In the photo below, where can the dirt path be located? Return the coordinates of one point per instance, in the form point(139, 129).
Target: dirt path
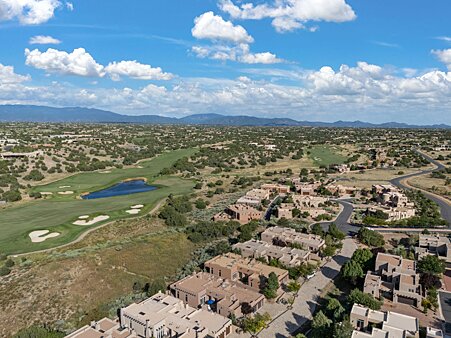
point(87, 232)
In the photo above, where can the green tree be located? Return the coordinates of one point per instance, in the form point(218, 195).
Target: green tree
point(335, 309)
point(200, 204)
point(359, 297)
point(371, 238)
point(343, 329)
point(431, 265)
point(293, 286)
point(271, 287)
point(317, 229)
point(320, 325)
point(256, 323)
point(352, 271)
point(335, 232)
point(363, 257)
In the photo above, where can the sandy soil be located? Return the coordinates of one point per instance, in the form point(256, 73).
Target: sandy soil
point(93, 221)
point(65, 192)
point(41, 235)
point(138, 206)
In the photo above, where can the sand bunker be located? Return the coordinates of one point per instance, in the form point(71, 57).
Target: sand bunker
point(83, 217)
point(41, 235)
point(135, 209)
point(64, 186)
point(65, 192)
point(138, 206)
point(105, 172)
point(93, 221)
point(45, 193)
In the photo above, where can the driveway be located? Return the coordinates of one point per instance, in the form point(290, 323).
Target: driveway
point(305, 304)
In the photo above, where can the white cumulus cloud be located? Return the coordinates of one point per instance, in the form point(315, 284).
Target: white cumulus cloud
point(135, 70)
point(8, 76)
point(289, 15)
point(28, 12)
point(444, 56)
point(44, 40)
point(78, 62)
point(214, 27)
point(230, 42)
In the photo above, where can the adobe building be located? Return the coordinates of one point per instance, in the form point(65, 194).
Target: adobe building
point(249, 271)
point(286, 236)
point(395, 278)
point(377, 324)
point(204, 290)
point(289, 257)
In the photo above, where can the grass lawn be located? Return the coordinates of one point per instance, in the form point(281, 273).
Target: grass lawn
point(57, 213)
point(326, 155)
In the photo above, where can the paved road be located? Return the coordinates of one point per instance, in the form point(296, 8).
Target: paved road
point(342, 220)
point(305, 304)
point(445, 207)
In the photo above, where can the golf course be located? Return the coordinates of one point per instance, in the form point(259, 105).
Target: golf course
point(62, 206)
point(326, 155)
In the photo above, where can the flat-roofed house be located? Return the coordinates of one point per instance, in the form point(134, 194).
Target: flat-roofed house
point(289, 257)
point(285, 210)
point(285, 236)
point(223, 296)
point(277, 188)
point(250, 271)
point(102, 329)
point(166, 316)
point(254, 197)
point(398, 280)
point(377, 324)
point(434, 245)
point(239, 212)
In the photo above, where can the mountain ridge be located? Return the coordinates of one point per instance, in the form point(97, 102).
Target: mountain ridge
point(41, 114)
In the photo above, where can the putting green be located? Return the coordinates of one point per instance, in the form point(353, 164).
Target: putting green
point(58, 212)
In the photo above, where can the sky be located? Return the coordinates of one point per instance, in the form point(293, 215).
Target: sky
point(315, 60)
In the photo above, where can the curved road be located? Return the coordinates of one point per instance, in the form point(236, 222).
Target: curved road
point(342, 220)
point(445, 207)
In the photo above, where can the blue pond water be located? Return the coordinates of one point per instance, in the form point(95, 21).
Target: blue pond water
point(123, 188)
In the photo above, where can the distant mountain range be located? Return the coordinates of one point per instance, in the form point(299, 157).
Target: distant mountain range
point(24, 113)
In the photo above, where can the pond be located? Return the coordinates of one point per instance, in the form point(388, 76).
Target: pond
point(120, 189)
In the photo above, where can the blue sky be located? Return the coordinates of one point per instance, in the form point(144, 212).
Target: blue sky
point(321, 60)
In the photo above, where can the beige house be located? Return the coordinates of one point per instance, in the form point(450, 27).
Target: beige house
point(102, 329)
point(220, 295)
point(285, 210)
point(254, 197)
point(434, 245)
point(341, 190)
point(376, 324)
point(276, 188)
point(239, 212)
point(251, 272)
point(305, 188)
point(394, 277)
point(286, 236)
point(166, 316)
point(308, 202)
point(289, 257)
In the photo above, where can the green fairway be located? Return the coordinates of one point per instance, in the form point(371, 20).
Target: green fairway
point(326, 155)
point(57, 213)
